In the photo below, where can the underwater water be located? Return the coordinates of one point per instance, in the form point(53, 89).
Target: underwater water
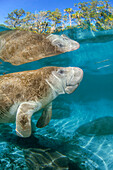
point(82, 123)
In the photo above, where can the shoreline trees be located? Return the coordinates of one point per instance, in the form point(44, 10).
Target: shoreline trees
point(94, 15)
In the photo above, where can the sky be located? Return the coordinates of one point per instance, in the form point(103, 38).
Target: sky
point(7, 6)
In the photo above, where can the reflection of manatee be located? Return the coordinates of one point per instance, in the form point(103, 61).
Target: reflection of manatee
point(97, 39)
point(19, 47)
point(101, 126)
point(89, 36)
point(45, 159)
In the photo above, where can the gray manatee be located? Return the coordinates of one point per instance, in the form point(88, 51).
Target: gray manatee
point(19, 47)
point(24, 93)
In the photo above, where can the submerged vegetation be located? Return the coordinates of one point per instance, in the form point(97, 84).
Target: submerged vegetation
point(93, 15)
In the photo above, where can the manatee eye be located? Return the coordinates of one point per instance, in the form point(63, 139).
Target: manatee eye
point(61, 71)
point(60, 45)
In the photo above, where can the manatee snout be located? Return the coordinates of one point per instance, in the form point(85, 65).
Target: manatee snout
point(74, 80)
point(78, 74)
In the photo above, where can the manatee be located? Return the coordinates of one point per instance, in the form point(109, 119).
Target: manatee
point(19, 47)
point(97, 127)
point(24, 93)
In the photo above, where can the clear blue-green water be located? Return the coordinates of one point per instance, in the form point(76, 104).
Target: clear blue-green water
point(82, 123)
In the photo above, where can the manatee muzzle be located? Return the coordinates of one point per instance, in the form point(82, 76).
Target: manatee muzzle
point(71, 89)
point(74, 81)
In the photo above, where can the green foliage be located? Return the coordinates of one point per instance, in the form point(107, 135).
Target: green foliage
point(14, 18)
point(94, 15)
point(55, 18)
point(2, 25)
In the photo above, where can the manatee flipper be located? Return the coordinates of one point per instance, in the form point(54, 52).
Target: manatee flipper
point(45, 117)
point(23, 118)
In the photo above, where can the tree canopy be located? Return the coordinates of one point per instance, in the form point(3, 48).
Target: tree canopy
point(94, 15)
